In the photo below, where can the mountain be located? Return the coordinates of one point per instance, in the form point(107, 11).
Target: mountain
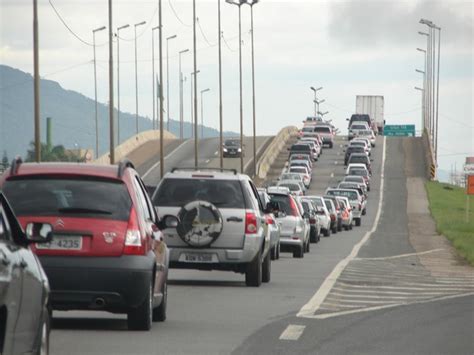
point(72, 116)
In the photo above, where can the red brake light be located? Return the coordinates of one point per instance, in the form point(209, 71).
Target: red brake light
point(333, 217)
point(312, 220)
point(133, 238)
point(294, 208)
point(270, 220)
point(250, 223)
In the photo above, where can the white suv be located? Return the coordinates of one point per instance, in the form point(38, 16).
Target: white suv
point(222, 223)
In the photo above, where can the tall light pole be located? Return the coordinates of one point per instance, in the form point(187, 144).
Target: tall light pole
point(202, 112)
point(136, 75)
point(195, 88)
point(437, 90)
point(95, 92)
point(118, 80)
point(318, 102)
point(36, 83)
point(181, 108)
point(315, 98)
point(168, 81)
point(252, 3)
point(193, 128)
point(423, 96)
point(221, 124)
point(424, 87)
point(239, 3)
point(162, 155)
point(153, 72)
point(322, 114)
point(111, 88)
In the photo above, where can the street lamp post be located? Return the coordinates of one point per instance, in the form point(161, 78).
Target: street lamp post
point(136, 74)
point(239, 3)
point(315, 98)
point(318, 102)
point(221, 124)
point(424, 89)
point(36, 83)
point(322, 114)
point(423, 96)
point(252, 3)
point(95, 93)
point(160, 88)
point(153, 72)
point(168, 81)
point(202, 112)
point(181, 108)
point(118, 80)
point(193, 128)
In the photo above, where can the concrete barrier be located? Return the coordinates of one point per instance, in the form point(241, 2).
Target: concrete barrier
point(429, 156)
point(131, 144)
point(270, 154)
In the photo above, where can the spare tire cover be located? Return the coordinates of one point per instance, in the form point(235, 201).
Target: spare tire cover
point(200, 223)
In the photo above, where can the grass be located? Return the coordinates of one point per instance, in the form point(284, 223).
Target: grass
point(448, 207)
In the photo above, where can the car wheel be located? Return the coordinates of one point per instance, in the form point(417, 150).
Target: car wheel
point(339, 227)
point(253, 275)
point(308, 246)
point(350, 226)
point(299, 252)
point(312, 237)
point(278, 251)
point(159, 313)
point(266, 268)
point(141, 317)
point(364, 211)
point(327, 232)
point(358, 222)
point(334, 229)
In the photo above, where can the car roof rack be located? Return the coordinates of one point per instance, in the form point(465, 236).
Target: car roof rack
point(15, 165)
point(123, 164)
point(223, 170)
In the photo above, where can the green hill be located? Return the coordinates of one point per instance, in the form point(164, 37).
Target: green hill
point(72, 113)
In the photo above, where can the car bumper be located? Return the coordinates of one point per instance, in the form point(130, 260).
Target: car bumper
point(78, 282)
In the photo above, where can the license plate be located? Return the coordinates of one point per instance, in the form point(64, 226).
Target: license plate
point(198, 258)
point(61, 242)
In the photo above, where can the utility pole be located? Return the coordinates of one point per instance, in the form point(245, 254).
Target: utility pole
point(221, 139)
point(195, 88)
point(160, 25)
point(118, 80)
point(181, 108)
point(136, 75)
point(36, 85)
point(95, 93)
point(153, 71)
point(168, 81)
point(111, 88)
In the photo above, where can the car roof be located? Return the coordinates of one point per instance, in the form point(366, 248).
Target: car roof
point(278, 190)
point(208, 173)
point(359, 155)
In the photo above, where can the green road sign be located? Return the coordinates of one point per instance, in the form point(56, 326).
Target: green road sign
point(407, 130)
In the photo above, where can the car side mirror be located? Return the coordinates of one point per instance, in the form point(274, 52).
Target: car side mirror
point(168, 221)
point(37, 232)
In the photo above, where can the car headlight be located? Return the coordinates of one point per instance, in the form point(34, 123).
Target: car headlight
point(225, 150)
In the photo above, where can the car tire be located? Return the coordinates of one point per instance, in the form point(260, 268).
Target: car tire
point(278, 251)
point(327, 232)
point(307, 248)
point(313, 238)
point(334, 229)
point(339, 227)
point(364, 212)
point(266, 269)
point(140, 318)
point(273, 253)
point(253, 275)
point(350, 226)
point(299, 252)
point(159, 313)
point(358, 222)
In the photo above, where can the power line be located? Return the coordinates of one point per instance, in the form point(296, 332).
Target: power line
point(227, 44)
point(148, 24)
point(176, 15)
point(202, 33)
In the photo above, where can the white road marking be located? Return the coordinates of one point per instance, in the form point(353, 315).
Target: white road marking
point(310, 308)
point(207, 161)
point(401, 255)
point(169, 155)
point(332, 175)
point(336, 314)
point(335, 162)
point(216, 152)
point(292, 332)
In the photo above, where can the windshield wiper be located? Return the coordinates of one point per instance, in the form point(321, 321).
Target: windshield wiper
point(82, 210)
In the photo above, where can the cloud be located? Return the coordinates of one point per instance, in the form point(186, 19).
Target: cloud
point(368, 23)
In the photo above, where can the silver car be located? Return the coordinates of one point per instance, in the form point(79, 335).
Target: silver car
point(222, 223)
point(294, 228)
point(310, 211)
point(355, 200)
point(273, 227)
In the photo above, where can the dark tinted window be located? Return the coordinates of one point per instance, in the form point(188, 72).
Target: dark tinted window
point(72, 197)
point(358, 159)
point(300, 147)
point(292, 187)
point(358, 171)
point(329, 205)
point(322, 129)
point(284, 202)
point(352, 195)
point(179, 192)
point(232, 143)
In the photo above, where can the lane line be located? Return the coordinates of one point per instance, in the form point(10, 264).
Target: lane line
point(342, 313)
point(166, 157)
point(402, 255)
point(310, 308)
point(207, 161)
point(292, 332)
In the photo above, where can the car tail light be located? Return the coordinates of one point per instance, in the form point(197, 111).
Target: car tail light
point(360, 206)
point(333, 217)
point(250, 223)
point(133, 237)
point(294, 208)
point(312, 220)
point(270, 220)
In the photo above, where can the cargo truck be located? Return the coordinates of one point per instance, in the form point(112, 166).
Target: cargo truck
point(372, 105)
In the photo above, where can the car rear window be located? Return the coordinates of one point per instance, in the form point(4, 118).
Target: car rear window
point(300, 147)
point(179, 192)
point(351, 195)
point(308, 129)
point(292, 187)
point(85, 197)
point(358, 126)
point(322, 129)
point(358, 171)
point(284, 202)
point(358, 159)
point(299, 170)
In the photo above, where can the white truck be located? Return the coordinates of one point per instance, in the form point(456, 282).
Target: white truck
point(372, 105)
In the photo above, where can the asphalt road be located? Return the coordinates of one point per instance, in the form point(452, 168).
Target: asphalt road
point(182, 156)
point(215, 313)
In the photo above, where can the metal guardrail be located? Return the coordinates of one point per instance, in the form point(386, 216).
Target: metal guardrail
point(274, 149)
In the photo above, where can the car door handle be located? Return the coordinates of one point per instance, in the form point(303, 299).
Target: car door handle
point(234, 219)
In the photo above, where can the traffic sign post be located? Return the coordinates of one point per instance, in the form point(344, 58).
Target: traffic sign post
point(407, 130)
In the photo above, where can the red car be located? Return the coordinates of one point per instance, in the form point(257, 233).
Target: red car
point(107, 251)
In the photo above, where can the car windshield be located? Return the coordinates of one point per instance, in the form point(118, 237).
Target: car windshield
point(354, 179)
point(232, 143)
point(322, 129)
point(83, 197)
point(358, 143)
point(358, 126)
point(179, 192)
point(308, 129)
point(328, 205)
point(365, 132)
point(351, 195)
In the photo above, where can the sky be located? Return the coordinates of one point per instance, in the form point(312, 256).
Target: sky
point(348, 47)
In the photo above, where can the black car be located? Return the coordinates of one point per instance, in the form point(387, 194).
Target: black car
point(352, 149)
point(301, 148)
point(232, 148)
point(360, 158)
point(24, 287)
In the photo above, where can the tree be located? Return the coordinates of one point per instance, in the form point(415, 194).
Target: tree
point(55, 153)
point(5, 162)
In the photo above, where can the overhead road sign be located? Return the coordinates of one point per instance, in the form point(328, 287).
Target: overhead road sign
point(407, 130)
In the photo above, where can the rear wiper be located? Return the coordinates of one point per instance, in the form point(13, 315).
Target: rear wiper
point(82, 210)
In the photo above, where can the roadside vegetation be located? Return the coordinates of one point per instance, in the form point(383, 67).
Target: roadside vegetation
point(448, 207)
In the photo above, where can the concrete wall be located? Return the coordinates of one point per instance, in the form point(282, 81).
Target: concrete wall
point(132, 143)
